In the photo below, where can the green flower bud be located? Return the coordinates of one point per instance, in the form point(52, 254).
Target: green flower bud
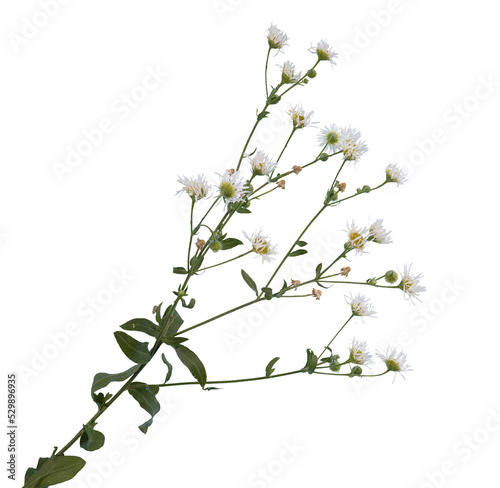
point(391, 276)
point(323, 157)
point(366, 189)
point(356, 371)
point(372, 282)
point(216, 246)
point(305, 81)
point(311, 73)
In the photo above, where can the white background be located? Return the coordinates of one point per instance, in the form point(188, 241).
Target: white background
point(417, 73)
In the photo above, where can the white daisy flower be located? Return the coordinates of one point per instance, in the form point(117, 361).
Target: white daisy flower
point(232, 186)
point(261, 245)
point(300, 118)
point(394, 360)
point(359, 354)
point(196, 188)
point(410, 283)
point(324, 52)
point(378, 233)
point(360, 306)
point(357, 236)
point(276, 38)
point(329, 137)
point(350, 143)
point(288, 74)
point(395, 174)
point(261, 164)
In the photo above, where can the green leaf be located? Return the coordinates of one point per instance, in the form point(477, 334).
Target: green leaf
point(301, 243)
point(230, 242)
point(268, 293)
point(318, 270)
point(195, 263)
point(169, 368)
point(262, 115)
point(269, 367)
point(249, 281)
point(158, 313)
point(298, 252)
point(91, 439)
point(53, 471)
point(193, 363)
point(175, 323)
point(146, 397)
point(312, 362)
point(173, 340)
point(180, 270)
point(243, 210)
point(191, 303)
point(142, 325)
point(101, 380)
point(136, 351)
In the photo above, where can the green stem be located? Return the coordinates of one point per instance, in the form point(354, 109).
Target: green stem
point(190, 234)
point(348, 374)
point(335, 336)
point(227, 261)
point(267, 62)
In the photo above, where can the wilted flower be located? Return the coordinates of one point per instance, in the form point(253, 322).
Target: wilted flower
point(295, 283)
point(345, 271)
point(395, 174)
point(297, 169)
point(360, 306)
point(350, 143)
point(232, 186)
point(378, 233)
point(300, 118)
point(394, 360)
point(276, 38)
point(358, 353)
point(324, 52)
point(200, 243)
point(261, 245)
point(261, 164)
point(410, 283)
point(196, 188)
point(288, 74)
point(316, 293)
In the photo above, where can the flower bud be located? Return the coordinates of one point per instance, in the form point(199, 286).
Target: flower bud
point(391, 276)
point(323, 157)
point(216, 246)
point(356, 371)
point(311, 73)
point(372, 282)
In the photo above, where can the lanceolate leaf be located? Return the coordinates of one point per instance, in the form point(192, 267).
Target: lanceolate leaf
point(230, 242)
point(101, 380)
point(301, 243)
point(173, 341)
point(193, 363)
point(174, 325)
point(136, 351)
point(142, 325)
point(249, 281)
point(269, 367)
point(298, 252)
point(91, 439)
point(53, 471)
point(146, 397)
point(169, 366)
point(312, 362)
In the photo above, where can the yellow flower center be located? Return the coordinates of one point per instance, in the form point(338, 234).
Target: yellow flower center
point(356, 239)
point(227, 190)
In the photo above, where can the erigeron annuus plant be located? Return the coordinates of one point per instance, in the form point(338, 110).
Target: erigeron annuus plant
point(255, 175)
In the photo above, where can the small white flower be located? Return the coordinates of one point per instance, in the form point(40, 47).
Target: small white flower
point(357, 237)
point(410, 283)
point(378, 233)
point(261, 164)
point(394, 360)
point(395, 174)
point(232, 186)
point(350, 143)
point(196, 188)
point(360, 305)
point(276, 38)
point(261, 245)
point(288, 74)
point(359, 354)
point(329, 137)
point(300, 118)
point(324, 52)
